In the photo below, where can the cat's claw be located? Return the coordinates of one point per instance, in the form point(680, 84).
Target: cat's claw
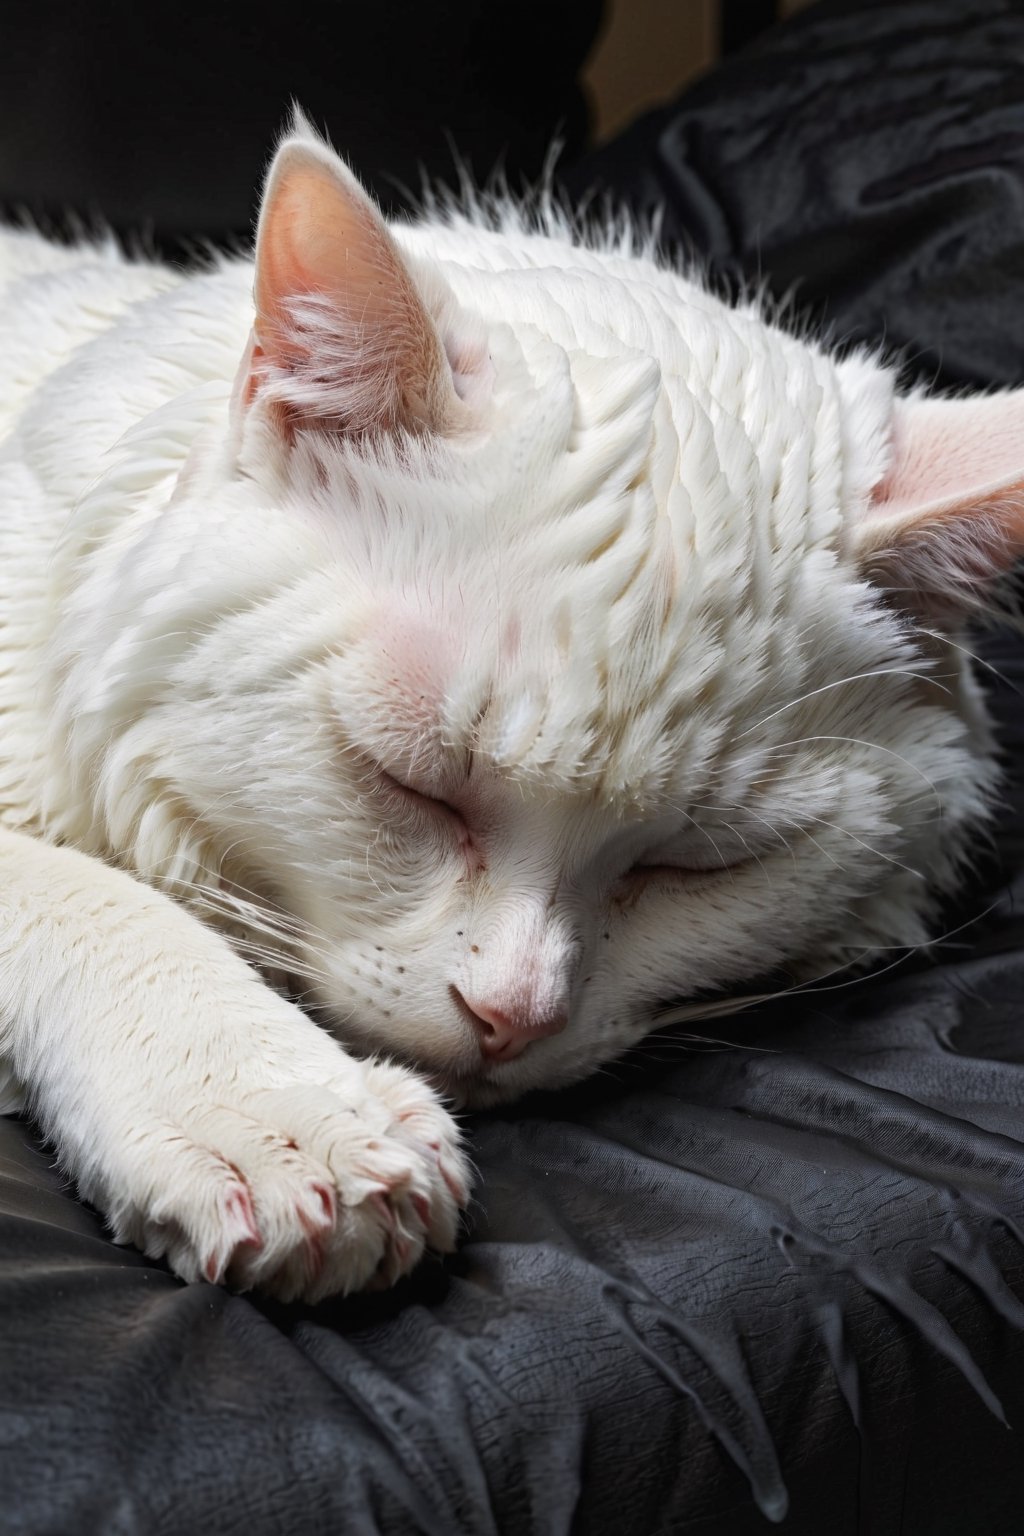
point(291, 1192)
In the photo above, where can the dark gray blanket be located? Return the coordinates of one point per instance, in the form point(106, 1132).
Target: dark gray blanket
point(785, 1272)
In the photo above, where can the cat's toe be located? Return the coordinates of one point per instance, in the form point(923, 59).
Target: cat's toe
point(344, 1191)
point(301, 1191)
point(420, 1122)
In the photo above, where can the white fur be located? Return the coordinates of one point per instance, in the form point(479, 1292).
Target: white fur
point(615, 619)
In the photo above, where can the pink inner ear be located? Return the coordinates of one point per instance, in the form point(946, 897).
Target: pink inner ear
point(321, 236)
point(344, 342)
point(952, 458)
point(947, 521)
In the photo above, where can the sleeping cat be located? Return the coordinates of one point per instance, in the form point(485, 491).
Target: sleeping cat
point(499, 636)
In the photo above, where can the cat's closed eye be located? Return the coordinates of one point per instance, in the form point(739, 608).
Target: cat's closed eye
point(699, 854)
point(648, 872)
point(418, 800)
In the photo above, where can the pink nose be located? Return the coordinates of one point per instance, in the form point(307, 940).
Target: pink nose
point(504, 1033)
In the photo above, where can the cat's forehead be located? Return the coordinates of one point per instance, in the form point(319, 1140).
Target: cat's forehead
point(617, 380)
point(593, 591)
point(550, 701)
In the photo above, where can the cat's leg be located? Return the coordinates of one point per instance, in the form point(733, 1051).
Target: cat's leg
point(208, 1118)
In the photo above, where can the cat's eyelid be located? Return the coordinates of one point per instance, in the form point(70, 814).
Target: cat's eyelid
point(671, 871)
point(435, 802)
point(662, 869)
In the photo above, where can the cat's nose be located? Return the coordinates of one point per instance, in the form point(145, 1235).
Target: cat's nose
point(504, 1033)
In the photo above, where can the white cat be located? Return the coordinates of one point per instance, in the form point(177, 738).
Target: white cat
point(497, 633)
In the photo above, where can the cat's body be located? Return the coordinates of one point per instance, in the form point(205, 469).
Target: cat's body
point(492, 648)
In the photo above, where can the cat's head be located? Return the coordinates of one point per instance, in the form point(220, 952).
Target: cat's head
point(562, 643)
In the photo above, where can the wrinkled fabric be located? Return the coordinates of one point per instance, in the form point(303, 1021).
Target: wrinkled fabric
point(788, 1273)
point(866, 164)
point(774, 1274)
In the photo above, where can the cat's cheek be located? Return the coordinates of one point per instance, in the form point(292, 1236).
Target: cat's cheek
point(666, 938)
point(396, 1000)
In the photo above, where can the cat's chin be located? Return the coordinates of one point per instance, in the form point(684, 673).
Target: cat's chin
point(498, 1086)
point(464, 1092)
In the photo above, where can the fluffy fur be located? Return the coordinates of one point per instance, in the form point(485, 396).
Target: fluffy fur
point(496, 633)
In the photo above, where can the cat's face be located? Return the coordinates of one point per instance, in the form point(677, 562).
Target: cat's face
point(554, 691)
point(510, 818)
point(580, 711)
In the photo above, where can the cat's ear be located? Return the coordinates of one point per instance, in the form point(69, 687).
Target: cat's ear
point(946, 524)
point(343, 342)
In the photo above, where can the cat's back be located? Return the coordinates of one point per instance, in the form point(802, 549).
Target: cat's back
point(54, 300)
point(87, 342)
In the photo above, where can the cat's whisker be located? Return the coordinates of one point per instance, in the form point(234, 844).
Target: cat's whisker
point(797, 826)
point(716, 1007)
point(667, 1037)
point(756, 858)
point(842, 682)
point(704, 832)
point(980, 661)
point(742, 810)
point(857, 741)
point(273, 949)
point(862, 843)
point(712, 1008)
point(283, 930)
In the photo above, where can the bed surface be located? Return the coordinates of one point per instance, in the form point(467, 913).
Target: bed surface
point(783, 1273)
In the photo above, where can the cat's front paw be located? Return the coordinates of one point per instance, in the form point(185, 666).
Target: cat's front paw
point(301, 1191)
